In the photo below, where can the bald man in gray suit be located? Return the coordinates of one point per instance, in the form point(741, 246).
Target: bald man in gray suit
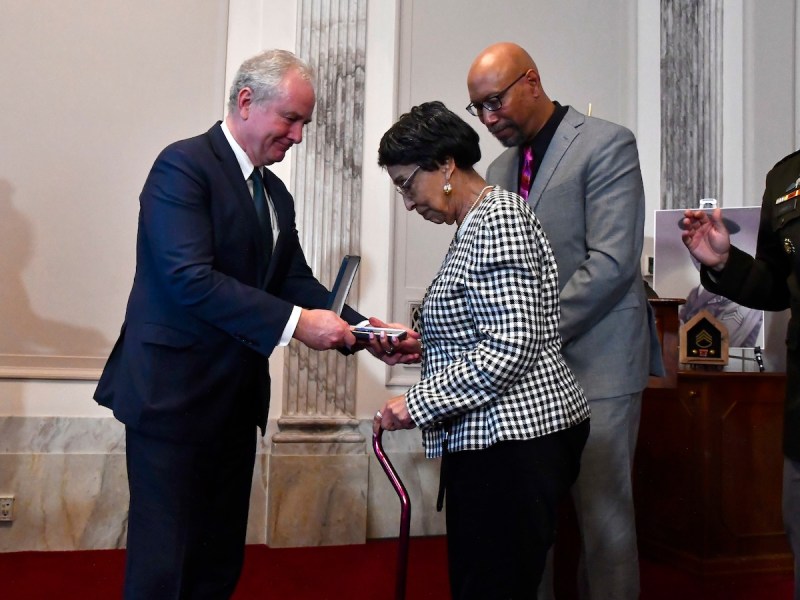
point(581, 176)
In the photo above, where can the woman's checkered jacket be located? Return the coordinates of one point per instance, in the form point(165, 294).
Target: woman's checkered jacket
point(492, 368)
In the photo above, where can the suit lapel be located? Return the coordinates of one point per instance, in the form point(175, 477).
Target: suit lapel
point(566, 133)
point(506, 169)
point(230, 166)
point(241, 196)
point(282, 202)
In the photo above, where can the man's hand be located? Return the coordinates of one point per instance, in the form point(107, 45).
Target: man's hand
point(323, 330)
point(391, 350)
point(706, 237)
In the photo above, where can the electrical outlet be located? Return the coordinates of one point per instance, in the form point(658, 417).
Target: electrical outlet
point(6, 508)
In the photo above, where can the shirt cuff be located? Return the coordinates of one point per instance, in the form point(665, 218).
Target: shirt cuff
point(291, 325)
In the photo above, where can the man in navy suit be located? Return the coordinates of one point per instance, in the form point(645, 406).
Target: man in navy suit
point(221, 280)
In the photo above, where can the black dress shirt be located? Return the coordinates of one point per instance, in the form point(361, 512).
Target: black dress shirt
point(541, 141)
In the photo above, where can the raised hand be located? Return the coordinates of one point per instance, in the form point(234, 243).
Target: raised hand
point(706, 237)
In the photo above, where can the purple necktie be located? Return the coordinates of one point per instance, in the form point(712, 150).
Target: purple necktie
point(525, 176)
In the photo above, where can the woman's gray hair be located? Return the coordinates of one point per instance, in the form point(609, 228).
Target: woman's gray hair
point(263, 74)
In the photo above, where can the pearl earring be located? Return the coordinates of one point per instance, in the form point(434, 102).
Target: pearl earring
point(447, 188)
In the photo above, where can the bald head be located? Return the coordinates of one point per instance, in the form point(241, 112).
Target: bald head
point(502, 59)
point(507, 71)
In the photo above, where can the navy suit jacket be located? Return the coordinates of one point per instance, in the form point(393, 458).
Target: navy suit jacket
point(205, 311)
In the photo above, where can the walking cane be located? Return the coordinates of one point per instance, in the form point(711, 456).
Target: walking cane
point(405, 515)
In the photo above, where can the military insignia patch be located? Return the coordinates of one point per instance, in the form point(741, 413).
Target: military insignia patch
point(703, 340)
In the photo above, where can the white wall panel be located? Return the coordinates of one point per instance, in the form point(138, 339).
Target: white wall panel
point(585, 52)
point(92, 91)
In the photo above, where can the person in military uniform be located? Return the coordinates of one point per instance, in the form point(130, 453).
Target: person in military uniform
point(770, 281)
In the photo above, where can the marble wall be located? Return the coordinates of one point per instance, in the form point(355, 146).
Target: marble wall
point(691, 102)
point(68, 478)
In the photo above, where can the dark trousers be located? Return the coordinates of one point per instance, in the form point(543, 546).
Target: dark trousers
point(188, 515)
point(502, 505)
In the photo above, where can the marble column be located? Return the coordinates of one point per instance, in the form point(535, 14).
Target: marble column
point(318, 465)
point(691, 101)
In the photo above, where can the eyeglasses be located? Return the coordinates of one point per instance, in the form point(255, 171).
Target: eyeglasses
point(492, 103)
point(405, 187)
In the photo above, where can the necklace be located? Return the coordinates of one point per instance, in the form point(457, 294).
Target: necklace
point(475, 202)
point(453, 243)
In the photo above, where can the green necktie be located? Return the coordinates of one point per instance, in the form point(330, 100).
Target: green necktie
point(262, 210)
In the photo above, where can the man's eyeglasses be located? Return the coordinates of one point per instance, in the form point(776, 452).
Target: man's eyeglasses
point(492, 103)
point(405, 187)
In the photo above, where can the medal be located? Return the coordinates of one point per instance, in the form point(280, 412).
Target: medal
point(789, 196)
point(792, 191)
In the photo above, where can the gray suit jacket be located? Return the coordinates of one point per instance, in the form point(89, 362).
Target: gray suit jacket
point(588, 196)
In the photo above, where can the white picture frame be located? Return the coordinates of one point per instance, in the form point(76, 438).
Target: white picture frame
point(676, 274)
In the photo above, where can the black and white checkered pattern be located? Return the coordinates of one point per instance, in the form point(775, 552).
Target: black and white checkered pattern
point(492, 369)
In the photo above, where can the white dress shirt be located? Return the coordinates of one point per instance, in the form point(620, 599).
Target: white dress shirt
point(247, 169)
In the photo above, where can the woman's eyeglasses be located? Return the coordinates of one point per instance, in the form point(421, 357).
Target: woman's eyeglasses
point(405, 187)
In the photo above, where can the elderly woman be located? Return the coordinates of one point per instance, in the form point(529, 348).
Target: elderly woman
point(496, 400)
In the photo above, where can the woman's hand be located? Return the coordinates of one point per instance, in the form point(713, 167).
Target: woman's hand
point(394, 415)
point(391, 350)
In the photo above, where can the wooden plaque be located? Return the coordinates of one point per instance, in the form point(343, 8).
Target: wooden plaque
point(704, 340)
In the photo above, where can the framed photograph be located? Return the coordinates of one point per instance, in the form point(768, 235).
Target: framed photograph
point(677, 275)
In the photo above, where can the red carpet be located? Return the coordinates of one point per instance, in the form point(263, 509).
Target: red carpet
point(363, 572)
